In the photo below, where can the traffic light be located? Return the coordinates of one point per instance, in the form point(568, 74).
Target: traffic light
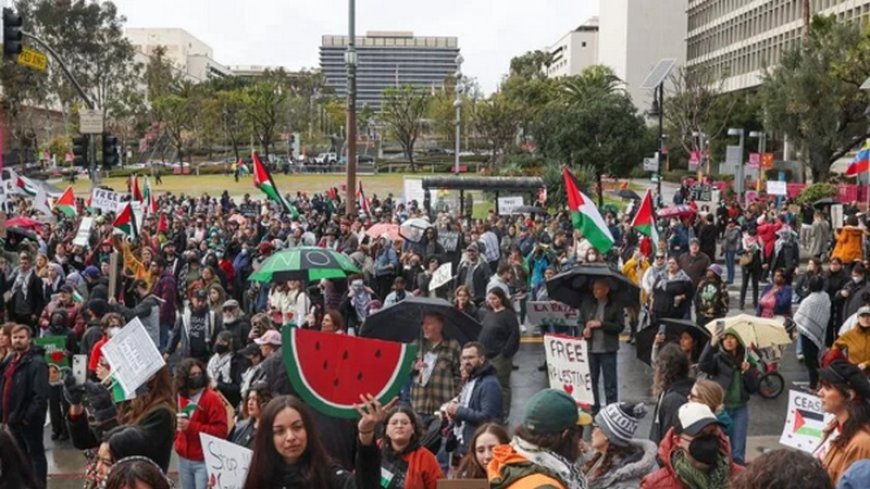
point(110, 150)
point(11, 34)
point(80, 149)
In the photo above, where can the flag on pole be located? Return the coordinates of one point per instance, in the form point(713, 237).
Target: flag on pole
point(861, 163)
point(150, 201)
point(67, 203)
point(263, 181)
point(362, 201)
point(126, 221)
point(645, 220)
point(40, 202)
point(162, 224)
point(134, 188)
point(26, 186)
point(585, 215)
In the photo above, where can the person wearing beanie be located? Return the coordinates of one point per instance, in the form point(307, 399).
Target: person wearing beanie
point(620, 461)
point(694, 454)
point(544, 447)
point(844, 392)
point(711, 299)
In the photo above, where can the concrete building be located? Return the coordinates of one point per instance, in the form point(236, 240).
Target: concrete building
point(575, 50)
point(633, 35)
point(388, 59)
point(193, 58)
point(738, 38)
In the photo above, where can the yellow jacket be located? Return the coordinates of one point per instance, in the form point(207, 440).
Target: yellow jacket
point(635, 271)
point(856, 342)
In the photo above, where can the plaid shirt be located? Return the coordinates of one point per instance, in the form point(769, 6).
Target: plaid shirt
point(443, 385)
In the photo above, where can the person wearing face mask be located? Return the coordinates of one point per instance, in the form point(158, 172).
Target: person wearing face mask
point(110, 324)
point(854, 345)
point(200, 410)
point(225, 368)
point(694, 454)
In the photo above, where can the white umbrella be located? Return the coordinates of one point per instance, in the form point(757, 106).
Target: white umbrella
point(413, 229)
point(755, 331)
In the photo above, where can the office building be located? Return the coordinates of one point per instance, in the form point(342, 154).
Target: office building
point(388, 59)
point(575, 50)
point(193, 58)
point(736, 39)
point(633, 35)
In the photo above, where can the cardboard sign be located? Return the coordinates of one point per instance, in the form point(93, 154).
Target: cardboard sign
point(55, 350)
point(449, 240)
point(132, 356)
point(837, 216)
point(568, 367)
point(507, 205)
point(106, 200)
point(551, 313)
point(226, 463)
point(84, 232)
point(113, 274)
point(443, 275)
point(804, 422)
point(777, 188)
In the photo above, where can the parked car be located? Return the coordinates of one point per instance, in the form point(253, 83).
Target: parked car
point(326, 158)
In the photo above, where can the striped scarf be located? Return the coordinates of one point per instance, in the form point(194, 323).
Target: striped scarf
point(812, 317)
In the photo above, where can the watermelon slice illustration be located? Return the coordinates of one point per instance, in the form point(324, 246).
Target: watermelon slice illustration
point(330, 371)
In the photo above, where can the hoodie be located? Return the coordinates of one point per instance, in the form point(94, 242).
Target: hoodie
point(666, 477)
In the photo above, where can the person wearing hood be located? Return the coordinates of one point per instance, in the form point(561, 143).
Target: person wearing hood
point(786, 254)
point(57, 327)
point(711, 299)
point(98, 286)
point(672, 293)
point(75, 322)
point(852, 296)
point(619, 461)
point(147, 309)
point(849, 241)
point(195, 329)
point(724, 360)
point(694, 454)
point(479, 400)
point(24, 393)
point(845, 393)
point(544, 447)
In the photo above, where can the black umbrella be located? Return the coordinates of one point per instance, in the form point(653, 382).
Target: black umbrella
point(628, 194)
point(825, 201)
point(573, 286)
point(404, 321)
point(23, 233)
point(673, 329)
point(530, 209)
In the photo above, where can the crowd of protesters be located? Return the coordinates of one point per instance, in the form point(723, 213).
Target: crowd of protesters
point(186, 276)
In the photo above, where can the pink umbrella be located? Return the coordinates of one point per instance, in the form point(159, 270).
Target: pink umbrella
point(24, 222)
point(380, 228)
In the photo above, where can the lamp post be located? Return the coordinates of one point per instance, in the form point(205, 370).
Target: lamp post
point(762, 147)
point(350, 59)
point(457, 104)
point(739, 132)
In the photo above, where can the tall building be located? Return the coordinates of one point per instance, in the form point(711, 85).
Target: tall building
point(192, 58)
point(633, 35)
point(388, 59)
point(736, 39)
point(575, 50)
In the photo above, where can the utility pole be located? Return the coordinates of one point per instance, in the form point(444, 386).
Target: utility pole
point(351, 61)
point(457, 103)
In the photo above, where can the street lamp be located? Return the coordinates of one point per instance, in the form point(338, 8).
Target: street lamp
point(457, 103)
point(739, 177)
point(762, 147)
point(351, 60)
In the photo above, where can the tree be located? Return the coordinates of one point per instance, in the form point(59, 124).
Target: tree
point(813, 96)
point(175, 113)
point(532, 65)
point(226, 110)
point(161, 77)
point(695, 104)
point(497, 120)
point(266, 105)
point(402, 113)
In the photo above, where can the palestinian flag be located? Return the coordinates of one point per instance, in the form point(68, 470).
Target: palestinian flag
point(134, 188)
point(150, 201)
point(362, 201)
point(263, 181)
point(645, 220)
point(585, 215)
point(25, 186)
point(162, 224)
point(67, 203)
point(126, 221)
point(808, 423)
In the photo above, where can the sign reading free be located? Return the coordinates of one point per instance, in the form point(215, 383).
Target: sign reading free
point(568, 367)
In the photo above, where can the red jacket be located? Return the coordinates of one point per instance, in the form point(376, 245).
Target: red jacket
point(210, 418)
point(666, 478)
point(74, 321)
point(767, 233)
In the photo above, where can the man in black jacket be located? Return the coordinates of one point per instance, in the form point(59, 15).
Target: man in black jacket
point(474, 273)
point(24, 394)
point(480, 400)
point(27, 293)
point(602, 320)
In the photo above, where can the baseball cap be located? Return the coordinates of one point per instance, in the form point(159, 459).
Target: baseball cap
point(270, 337)
point(91, 272)
point(250, 349)
point(550, 411)
point(694, 241)
point(200, 294)
point(694, 417)
point(65, 288)
point(472, 247)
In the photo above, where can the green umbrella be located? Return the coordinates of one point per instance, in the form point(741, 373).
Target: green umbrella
point(305, 263)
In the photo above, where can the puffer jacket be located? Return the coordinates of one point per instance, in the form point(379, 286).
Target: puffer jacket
point(666, 477)
point(510, 469)
point(627, 472)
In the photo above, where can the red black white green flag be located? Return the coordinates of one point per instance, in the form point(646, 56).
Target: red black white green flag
point(126, 221)
point(585, 215)
point(263, 181)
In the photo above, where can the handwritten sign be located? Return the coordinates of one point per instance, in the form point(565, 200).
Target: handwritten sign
point(551, 313)
point(804, 422)
point(84, 232)
point(226, 463)
point(132, 356)
point(55, 350)
point(507, 205)
point(568, 367)
point(449, 240)
point(443, 274)
point(106, 200)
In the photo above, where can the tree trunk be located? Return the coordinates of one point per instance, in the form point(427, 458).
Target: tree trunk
point(409, 151)
point(236, 149)
point(600, 190)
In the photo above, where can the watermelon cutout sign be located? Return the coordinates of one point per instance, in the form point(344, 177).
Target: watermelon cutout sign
point(330, 371)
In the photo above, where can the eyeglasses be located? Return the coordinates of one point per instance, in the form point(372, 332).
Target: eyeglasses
point(660, 258)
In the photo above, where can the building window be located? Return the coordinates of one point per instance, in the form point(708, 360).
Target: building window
point(583, 44)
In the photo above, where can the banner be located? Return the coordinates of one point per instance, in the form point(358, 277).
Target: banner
point(507, 205)
point(777, 188)
point(226, 463)
point(449, 240)
point(84, 232)
point(106, 200)
point(550, 313)
point(568, 367)
point(804, 422)
point(132, 356)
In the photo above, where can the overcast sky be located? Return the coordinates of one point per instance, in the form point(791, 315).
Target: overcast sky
point(287, 32)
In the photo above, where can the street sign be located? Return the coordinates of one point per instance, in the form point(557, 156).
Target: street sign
point(91, 122)
point(767, 161)
point(733, 155)
point(32, 58)
point(754, 160)
point(650, 164)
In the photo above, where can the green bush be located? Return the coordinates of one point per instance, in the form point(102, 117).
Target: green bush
point(676, 176)
point(639, 172)
point(817, 191)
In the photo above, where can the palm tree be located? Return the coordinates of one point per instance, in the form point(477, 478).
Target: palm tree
point(594, 81)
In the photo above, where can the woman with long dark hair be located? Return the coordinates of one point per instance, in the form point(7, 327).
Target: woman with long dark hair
point(671, 386)
point(16, 470)
point(479, 454)
point(256, 398)
point(404, 462)
point(289, 454)
point(845, 393)
point(500, 337)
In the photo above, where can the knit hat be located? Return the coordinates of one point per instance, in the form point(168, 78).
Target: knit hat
point(618, 421)
point(550, 411)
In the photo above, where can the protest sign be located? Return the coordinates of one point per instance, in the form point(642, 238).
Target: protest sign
point(777, 188)
point(550, 313)
point(837, 216)
point(106, 200)
point(449, 240)
point(226, 463)
point(568, 366)
point(507, 205)
point(84, 232)
point(132, 356)
point(804, 422)
point(55, 350)
point(443, 275)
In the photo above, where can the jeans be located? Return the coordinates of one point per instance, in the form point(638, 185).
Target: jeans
point(811, 360)
point(740, 428)
point(730, 260)
point(192, 474)
point(606, 363)
point(30, 442)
